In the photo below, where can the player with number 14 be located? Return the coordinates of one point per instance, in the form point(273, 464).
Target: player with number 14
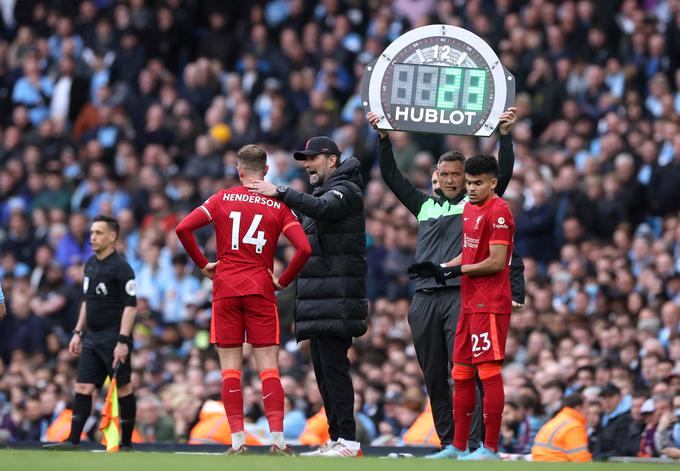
point(247, 227)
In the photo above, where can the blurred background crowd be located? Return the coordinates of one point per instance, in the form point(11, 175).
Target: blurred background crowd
point(135, 108)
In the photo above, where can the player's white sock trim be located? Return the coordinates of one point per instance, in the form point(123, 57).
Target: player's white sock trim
point(238, 439)
point(278, 440)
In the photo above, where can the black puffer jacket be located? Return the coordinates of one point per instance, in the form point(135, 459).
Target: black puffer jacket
point(331, 289)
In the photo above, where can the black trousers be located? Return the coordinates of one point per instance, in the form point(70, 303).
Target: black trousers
point(433, 317)
point(331, 367)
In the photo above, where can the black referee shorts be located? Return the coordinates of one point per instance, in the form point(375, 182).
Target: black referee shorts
point(96, 359)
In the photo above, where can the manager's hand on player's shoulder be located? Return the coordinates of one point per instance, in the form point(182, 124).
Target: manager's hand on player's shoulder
point(373, 120)
point(210, 269)
point(262, 187)
point(507, 119)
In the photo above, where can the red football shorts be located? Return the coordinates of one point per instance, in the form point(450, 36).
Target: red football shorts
point(238, 319)
point(480, 338)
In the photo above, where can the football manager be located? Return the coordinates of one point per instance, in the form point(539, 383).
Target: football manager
point(331, 306)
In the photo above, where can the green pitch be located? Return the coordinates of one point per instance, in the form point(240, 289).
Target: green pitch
point(39, 460)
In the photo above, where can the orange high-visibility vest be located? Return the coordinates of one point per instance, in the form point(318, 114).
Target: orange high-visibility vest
point(422, 431)
point(213, 427)
point(60, 428)
point(316, 430)
point(564, 438)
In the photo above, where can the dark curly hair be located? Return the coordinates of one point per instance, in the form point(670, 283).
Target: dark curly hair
point(481, 164)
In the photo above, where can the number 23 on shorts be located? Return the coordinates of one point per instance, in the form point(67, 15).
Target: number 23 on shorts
point(480, 343)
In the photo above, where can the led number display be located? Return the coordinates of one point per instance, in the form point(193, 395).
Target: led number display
point(438, 79)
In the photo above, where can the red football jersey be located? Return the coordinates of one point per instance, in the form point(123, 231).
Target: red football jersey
point(247, 227)
point(489, 224)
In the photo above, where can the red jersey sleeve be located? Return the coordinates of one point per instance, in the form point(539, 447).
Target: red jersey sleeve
point(209, 207)
point(185, 232)
point(502, 225)
point(293, 231)
point(288, 219)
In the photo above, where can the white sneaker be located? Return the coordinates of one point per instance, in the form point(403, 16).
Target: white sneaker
point(321, 450)
point(344, 449)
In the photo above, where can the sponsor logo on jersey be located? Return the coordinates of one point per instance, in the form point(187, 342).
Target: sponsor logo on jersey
point(470, 242)
point(500, 223)
point(131, 288)
point(101, 289)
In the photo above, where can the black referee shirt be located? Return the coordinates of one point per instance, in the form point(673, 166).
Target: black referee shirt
point(109, 287)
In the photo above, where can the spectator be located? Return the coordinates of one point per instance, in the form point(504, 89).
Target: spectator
point(152, 424)
point(667, 435)
point(74, 248)
point(564, 437)
point(535, 226)
point(33, 90)
point(613, 434)
point(177, 290)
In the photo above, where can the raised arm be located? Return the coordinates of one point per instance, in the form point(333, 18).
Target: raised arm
point(403, 189)
point(506, 155)
point(517, 277)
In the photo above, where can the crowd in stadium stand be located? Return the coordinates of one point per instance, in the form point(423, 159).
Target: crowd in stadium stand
point(136, 109)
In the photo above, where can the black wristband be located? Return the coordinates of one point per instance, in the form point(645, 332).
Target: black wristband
point(451, 271)
point(78, 332)
point(125, 339)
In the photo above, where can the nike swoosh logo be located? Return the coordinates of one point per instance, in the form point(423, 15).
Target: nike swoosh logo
point(234, 390)
point(265, 397)
point(477, 354)
point(465, 219)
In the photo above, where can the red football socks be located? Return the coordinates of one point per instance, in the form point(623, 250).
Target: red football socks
point(272, 397)
point(494, 401)
point(232, 398)
point(463, 408)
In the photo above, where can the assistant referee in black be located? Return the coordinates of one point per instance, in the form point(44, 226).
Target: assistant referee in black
point(102, 338)
point(434, 310)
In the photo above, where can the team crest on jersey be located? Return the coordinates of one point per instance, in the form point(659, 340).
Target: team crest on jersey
point(101, 289)
point(86, 284)
point(479, 218)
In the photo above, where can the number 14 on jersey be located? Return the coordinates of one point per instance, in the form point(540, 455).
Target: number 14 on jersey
point(259, 241)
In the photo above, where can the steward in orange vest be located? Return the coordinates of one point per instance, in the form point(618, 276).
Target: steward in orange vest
point(422, 431)
point(213, 427)
point(564, 437)
point(316, 430)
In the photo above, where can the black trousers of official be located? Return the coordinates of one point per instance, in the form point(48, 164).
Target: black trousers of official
point(433, 317)
point(331, 367)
